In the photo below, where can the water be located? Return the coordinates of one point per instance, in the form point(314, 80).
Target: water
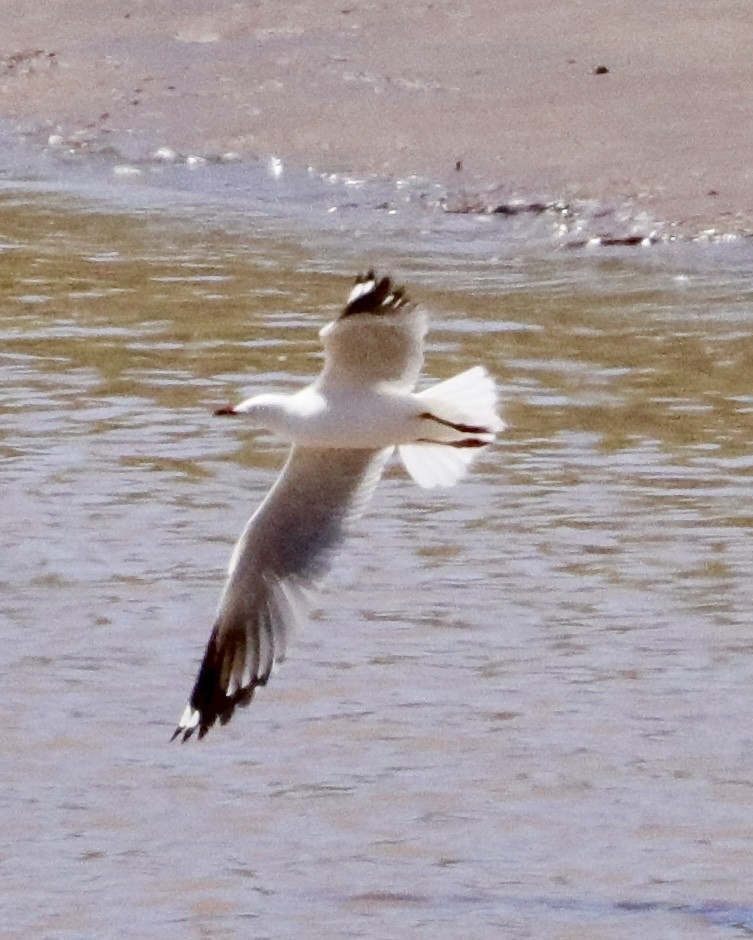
point(524, 708)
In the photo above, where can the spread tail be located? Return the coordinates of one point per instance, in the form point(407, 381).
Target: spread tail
point(461, 419)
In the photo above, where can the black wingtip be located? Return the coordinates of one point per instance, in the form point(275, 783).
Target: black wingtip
point(371, 294)
point(221, 710)
point(209, 703)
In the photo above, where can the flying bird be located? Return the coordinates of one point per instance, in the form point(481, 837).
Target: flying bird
point(342, 428)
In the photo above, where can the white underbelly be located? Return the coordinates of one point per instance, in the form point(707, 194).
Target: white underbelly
point(357, 421)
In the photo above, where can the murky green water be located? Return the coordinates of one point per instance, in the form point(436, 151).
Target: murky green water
point(525, 707)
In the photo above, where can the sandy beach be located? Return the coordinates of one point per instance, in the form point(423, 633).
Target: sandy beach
point(623, 101)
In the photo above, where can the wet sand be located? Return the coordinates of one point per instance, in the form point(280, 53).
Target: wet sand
point(619, 102)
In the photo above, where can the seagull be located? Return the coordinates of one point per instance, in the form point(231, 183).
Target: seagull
point(342, 429)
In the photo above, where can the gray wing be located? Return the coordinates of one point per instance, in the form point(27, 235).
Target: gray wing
point(378, 337)
point(285, 549)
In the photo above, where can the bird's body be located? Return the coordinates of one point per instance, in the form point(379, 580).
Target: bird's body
point(316, 417)
point(343, 429)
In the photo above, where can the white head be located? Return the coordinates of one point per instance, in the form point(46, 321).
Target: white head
point(267, 412)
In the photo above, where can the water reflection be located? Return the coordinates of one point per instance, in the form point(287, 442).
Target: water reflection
point(533, 686)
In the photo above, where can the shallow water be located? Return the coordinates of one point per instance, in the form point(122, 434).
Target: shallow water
point(524, 708)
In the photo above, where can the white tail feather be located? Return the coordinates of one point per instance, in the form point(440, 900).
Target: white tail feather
point(435, 464)
point(469, 398)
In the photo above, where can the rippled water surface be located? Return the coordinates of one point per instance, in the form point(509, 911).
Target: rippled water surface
point(524, 709)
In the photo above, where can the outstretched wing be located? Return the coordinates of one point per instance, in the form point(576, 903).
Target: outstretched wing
point(284, 551)
point(378, 338)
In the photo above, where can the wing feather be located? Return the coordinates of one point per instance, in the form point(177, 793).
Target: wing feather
point(378, 338)
point(284, 551)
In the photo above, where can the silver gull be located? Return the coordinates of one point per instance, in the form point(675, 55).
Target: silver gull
point(343, 429)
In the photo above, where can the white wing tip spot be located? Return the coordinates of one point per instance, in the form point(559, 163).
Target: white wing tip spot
point(364, 284)
point(189, 720)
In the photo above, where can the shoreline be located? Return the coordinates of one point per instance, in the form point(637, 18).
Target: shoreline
point(545, 106)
